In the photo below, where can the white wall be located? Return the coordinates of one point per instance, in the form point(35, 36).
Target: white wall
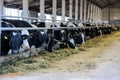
point(114, 12)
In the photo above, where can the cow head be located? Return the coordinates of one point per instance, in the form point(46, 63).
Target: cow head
point(15, 41)
point(11, 39)
point(25, 37)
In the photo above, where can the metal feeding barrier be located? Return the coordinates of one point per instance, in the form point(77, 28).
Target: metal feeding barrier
point(41, 28)
point(53, 21)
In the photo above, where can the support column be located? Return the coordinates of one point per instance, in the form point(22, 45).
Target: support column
point(91, 12)
point(85, 9)
point(70, 9)
point(109, 15)
point(101, 15)
point(54, 8)
point(88, 11)
point(42, 11)
point(76, 9)
point(1, 11)
point(25, 9)
point(4, 11)
point(63, 10)
point(96, 14)
point(81, 10)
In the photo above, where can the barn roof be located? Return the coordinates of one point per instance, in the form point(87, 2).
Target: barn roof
point(34, 4)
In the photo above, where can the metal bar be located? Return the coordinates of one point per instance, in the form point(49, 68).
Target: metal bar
point(25, 9)
point(54, 5)
point(63, 10)
point(81, 10)
point(27, 18)
point(85, 9)
point(55, 28)
point(76, 9)
point(70, 8)
point(42, 11)
point(109, 15)
point(1, 12)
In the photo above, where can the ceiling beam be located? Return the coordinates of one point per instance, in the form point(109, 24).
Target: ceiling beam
point(111, 3)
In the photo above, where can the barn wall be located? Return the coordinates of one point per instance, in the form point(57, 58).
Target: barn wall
point(114, 13)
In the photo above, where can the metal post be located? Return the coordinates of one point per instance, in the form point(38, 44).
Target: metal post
point(25, 9)
point(76, 9)
point(109, 15)
point(81, 10)
point(70, 9)
point(92, 13)
point(96, 14)
point(42, 10)
point(54, 8)
point(85, 6)
point(1, 12)
point(63, 10)
point(101, 13)
point(54, 15)
point(88, 11)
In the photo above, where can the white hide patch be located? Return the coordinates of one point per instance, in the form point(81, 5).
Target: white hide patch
point(80, 25)
point(100, 32)
point(62, 31)
point(83, 37)
point(33, 47)
point(14, 33)
point(25, 32)
point(72, 41)
point(42, 32)
point(10, 51)
point(70, 24)
point(25, 44)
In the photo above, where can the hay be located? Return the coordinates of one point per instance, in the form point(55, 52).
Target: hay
point(46, 60)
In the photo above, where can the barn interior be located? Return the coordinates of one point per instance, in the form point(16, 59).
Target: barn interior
point(71, 23)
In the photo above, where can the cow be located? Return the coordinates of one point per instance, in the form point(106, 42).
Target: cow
point(29, 37)
point(42, 37)
point(10, 40)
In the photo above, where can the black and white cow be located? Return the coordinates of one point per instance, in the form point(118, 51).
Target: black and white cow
point(10, 40)
point(42, 37)
point(29, 37)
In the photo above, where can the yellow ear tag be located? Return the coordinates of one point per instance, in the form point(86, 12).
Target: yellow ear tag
point(5, 37)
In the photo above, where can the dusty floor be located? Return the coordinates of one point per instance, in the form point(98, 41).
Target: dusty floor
point(104, 67)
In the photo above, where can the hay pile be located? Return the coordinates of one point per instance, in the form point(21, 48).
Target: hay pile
point(46, 60)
